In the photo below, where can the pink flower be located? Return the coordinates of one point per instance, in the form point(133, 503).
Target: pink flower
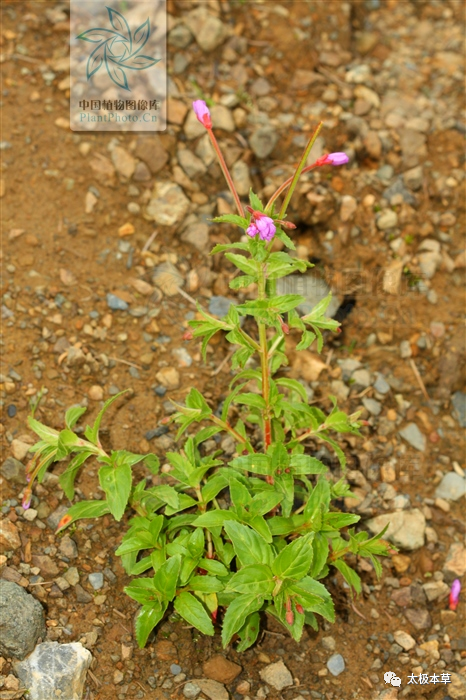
point(26, 502)
point(455, 594)
point(266, 227)
point(252, 230)
point(332, 159)
point(202, 113)
point(337, 158)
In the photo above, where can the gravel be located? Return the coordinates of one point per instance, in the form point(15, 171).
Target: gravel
point(414, 437)
point(336, 664)
point(22, 620)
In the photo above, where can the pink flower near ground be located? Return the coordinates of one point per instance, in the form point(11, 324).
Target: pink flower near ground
point(202, 113)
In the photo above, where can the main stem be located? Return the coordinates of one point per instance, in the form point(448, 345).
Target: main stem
point(264, 355)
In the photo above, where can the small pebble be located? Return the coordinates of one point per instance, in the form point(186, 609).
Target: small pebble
point(175, 669)
point(11, 410)
point(96, 580)
point(336, 664)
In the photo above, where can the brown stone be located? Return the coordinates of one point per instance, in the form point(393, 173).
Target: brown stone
point(221, 669)
point(46, 565)
point(149, 149)
point(165, 650)
point(9, 536)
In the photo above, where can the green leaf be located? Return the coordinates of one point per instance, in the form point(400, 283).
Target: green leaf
point(68, 477)
point(294, 561)
point(116, 482)
point(85, 509)
point(192, 610)
point(256, 579)
point(152, 462)
point(304, 464)
point(249, 632)
point(49, 435)
point(292, 385)
point(255, 201)
point(231, 219)
point(167, 494)
point(249, 547)
point(314, 597)
point(319, 309)
point(236, 614)
point(148, 617)
point(246, 265)
point(307, 339)
point(142, 590)
point(241, 281)
point(350, 576)
point(206, 584)
point(256, 463)
point(320, 548)
point(250, 399)
point(222, 247)
point(214, 567)
point(73, 414)
point(166, 578)
point(214, 518)
point(92, 434)
point(339, 520)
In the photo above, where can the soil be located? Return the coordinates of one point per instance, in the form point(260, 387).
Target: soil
point(59, 264)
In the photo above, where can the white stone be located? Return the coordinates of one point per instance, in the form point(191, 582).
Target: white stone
point(406, 529)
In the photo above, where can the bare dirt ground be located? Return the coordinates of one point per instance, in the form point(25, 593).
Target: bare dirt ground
point(385, 232)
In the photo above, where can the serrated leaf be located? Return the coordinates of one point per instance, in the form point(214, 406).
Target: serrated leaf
point(249, 547)
point(148, 617)
point(192, 610)
point(232, 219)
point(255, 579)
point(116, 482)
point(236, 614)
point(166, 578)
point(295, 559)
point(73, 414)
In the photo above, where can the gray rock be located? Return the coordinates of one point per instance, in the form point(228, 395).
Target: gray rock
point(212, 689)
point(241, 178)
point(277, 675)
point(414, 437)
point(263, 141)
point(387, 219)
point(374, 407)
point(169, 205)
point(413, 147)
point(191, 164)
point(405, 349)
point(197, 234)
point(218, 306)
point(457, 687)
point(329, 643)
point(175, 669)
point(55, 517)
point(381, 385)
point(398, 188)
point(222, 118)
point(210, 33)
point(435, 590)
point(22, 620)
point(68, 547)
point(180, 36)
point(115, 303)
point(96, 580)
point(14, 471)
point(55, 670)
point(458, 401)
point(414, 178)
point(192, 126)
point(452, 487)
point(362, 378)
point(406, 529)
point(336, 664)
point(191, 690)
point(419, 618)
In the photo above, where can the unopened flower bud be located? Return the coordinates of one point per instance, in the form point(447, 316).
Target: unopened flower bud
point(454, 594)
point(188, 335)
point(299, 609)
point(202, 113)
point(290, 617)
point(285, 326)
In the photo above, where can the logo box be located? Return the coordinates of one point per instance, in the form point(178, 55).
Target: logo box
point(118, 69)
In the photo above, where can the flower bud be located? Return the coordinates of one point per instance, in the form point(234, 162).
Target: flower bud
point(188, 335)
point(299, 609)
point(202, 113)
point(454, 594)
point(289, 617)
